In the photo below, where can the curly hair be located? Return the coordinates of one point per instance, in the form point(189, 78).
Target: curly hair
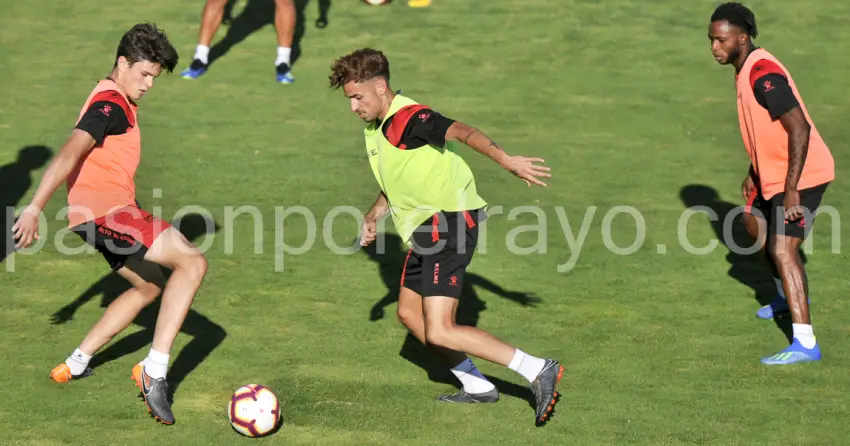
point(738, 15)
point(359, 65)
point(149, 43)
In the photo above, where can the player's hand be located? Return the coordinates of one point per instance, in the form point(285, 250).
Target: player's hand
point(368, 231)
point(25, 228)
point(791, 204)
point(524, 168)
point(748, 187)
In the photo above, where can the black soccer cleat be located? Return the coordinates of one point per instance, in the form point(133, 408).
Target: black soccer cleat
point(544, 388)
point(463, 397)
point(155, 393)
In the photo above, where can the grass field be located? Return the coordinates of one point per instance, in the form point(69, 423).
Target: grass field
point(623, 100)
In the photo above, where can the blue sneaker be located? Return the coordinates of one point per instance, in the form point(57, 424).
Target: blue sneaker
point(284, 74)
point(793, 354)
point(195, 70)
point(775, 308)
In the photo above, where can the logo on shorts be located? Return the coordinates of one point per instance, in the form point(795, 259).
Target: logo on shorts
point(453, 281)
point(436, 273)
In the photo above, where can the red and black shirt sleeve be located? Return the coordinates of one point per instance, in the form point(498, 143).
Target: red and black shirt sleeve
point(771, 88)
point(415, 126)
point(108, 114)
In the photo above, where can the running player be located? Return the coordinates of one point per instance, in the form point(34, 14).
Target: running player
point(430, 192)
point(284, 23)
point(790, 168)
point(99, 162)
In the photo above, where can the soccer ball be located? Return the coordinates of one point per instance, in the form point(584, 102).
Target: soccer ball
point(376, 2)
point(254, 410)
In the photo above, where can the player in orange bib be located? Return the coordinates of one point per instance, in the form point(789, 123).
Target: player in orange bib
point(98, 163)
point(790, 168)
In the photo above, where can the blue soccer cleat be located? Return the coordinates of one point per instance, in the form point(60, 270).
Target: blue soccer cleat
point(284, 74)
point(195, 70)
point(793, 354)
point(773, 309)
point(778, 307)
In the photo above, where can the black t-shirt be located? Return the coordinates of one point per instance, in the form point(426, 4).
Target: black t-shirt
point(771, 88)
point(108, 114)
point(415, 126)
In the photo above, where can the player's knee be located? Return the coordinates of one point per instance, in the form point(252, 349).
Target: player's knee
point(198, 265)
point(407, 316)
point(150, 291)
point(283, 3)
point(783, 256)
point(195, 265)
point(439, 335)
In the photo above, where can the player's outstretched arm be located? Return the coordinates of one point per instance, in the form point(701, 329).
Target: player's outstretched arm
point(26, 228)
point(521, 166)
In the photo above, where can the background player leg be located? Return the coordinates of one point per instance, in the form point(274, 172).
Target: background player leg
point(784, 251)
point(210, 21)
point(441, 330)
point(147, 281)
point(284, 23)
point(476, 388)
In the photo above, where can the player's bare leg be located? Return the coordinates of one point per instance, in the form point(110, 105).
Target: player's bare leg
point(756, 227)
point(441, 330)
point(172, 250)
point(476, 388)
point(785, 253)
point(147, 281)
point(284, 23)
point(211, 19)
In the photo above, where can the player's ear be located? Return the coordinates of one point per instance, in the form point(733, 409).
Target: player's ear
point(381, 86)
point(122, 63)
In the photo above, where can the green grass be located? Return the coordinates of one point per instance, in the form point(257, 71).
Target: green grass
point(621, 98)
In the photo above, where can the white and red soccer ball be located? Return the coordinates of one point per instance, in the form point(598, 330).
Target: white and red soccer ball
point(254, 410)
point(376, 2)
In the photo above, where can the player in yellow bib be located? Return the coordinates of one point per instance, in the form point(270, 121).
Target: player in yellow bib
point(430, 192)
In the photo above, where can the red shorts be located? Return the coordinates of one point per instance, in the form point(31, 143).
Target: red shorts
point(129, 231)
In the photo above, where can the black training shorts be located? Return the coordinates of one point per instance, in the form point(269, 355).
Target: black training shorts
point(773, 211)
point(443, 248)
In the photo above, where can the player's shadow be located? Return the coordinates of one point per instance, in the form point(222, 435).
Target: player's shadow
point(748, 269)
point(390, 258)
point(206, 334)
point(15, 181)
point(256, 15)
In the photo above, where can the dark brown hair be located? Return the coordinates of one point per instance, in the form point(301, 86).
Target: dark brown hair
point(358, 66)
point(147, 42)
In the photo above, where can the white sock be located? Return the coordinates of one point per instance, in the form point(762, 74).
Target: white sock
point(77, 362)
point(526, 365)
point(779, 287)
point(156, 364)
point(804, 334)
point(202, 53)
point(473, 381)
point(282, 55)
